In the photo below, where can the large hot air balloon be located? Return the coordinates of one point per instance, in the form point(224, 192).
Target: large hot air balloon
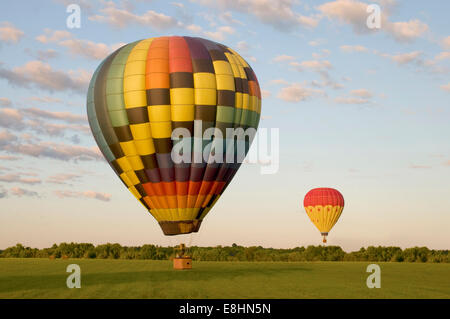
point(145, 90)
point(324, 207)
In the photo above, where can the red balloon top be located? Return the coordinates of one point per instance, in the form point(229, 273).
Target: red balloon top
point(323, 196)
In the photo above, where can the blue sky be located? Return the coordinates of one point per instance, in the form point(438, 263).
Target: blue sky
point(364, 111)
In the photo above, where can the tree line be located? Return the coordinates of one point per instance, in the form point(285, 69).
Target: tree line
point(230, 253)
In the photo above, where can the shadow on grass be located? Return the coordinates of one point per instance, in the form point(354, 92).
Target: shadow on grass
point(202, 273)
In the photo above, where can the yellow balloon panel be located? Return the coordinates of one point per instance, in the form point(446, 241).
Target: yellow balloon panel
point(324, 217)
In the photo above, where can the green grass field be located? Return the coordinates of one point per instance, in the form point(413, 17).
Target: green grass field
point(43, 278)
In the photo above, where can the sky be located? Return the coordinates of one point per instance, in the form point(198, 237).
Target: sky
point(365, 111)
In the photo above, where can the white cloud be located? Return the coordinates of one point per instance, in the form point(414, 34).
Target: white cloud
point(6, 138)
point(227, 17)
point(219, 34)
point(55, 129)
point(9, 157)
point(121, 17)
point(194, 28)
point(315, 43)
point(265, 93)
point(322, 54)
point(350, 100)
point(36, 120)
point(359, 96)
point(322, 68)
point(354, 13)
point(4, 101)
point(63, 178)
point(45, 55)
point(243, 49)
point(279, 14)
point(64, 116)
point(53, 36)
point(60, 151)
point(87, 194)
point(177, 4)
point(405, 58)
point(347, 11)
point(297, 92)
point(243, 46)
point(11, 118)
point(45, 99)
point(17, 191)
point(85, 48)
point(353, 48)
point(9, 33)
point(445, 87)
point(442, 56)
point(16, 178)
point(407, 31)
point(364, 93)
point(314, 65)
point(279, 81)
point(305, 21)
point(445, 43)
point(84, 4)
point(283, 58)
point(417, 59)
point(43, 76)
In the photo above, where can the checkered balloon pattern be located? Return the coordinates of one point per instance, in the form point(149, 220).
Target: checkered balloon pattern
point(145, 90)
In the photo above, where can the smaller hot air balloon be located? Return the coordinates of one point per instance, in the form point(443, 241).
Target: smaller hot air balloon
point(324, 207)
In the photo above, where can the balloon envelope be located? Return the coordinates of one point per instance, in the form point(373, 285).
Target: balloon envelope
point(144, 91)
point(324, 207)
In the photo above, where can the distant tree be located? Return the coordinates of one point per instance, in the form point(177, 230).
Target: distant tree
point(230, 253)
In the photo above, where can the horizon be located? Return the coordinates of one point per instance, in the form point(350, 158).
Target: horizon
point(221, 246)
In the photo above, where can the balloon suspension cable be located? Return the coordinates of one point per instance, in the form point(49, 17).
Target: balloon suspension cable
point(190, 239)
point(170, 242)
point(188, 246)
point(182, 251)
